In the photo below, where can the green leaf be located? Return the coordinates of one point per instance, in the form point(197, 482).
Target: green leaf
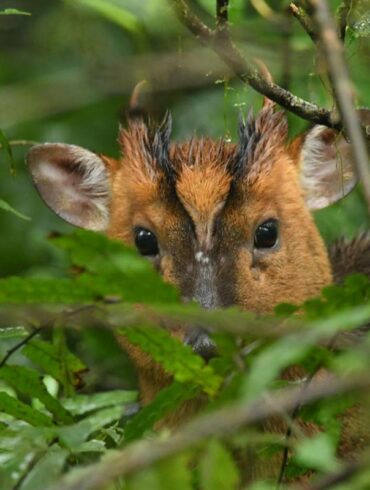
point(13, 332)
point(74, 435)
point(318, 453)
point(7, 207)
point(13, 12)
point(170, 474)
point(114, 13)
point(165, 402)
point(81, 404)
point(217, 468)
point(116, 268)
point(20, 410)
point(47, 469)
point(175, 357)
point(29, 382)
point(292, 348)
point(64, 366)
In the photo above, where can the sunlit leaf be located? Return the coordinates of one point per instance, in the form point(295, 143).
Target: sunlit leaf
point(29, 382)
point(217, 468)
point(81, 404)
point(20, 410)
point(13, 12)
point(65, 367)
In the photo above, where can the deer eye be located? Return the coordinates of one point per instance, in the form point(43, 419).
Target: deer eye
point(146, 242)
point(266, 234)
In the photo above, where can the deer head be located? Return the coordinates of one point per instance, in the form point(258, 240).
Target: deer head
point(228, 224)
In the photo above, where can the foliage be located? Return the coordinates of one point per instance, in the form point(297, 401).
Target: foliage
point(47, 422)
point(68, 397)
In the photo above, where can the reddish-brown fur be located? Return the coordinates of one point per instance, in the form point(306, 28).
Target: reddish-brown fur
point(204, 207)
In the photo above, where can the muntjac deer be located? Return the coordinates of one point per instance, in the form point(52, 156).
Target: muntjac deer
point(229, 224)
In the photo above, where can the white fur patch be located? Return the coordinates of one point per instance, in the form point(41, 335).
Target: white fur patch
point(326, 172)
point(73, 182)
point(201, 257)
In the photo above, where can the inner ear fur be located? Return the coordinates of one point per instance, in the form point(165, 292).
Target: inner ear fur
point(73, 182)
point(326, 167)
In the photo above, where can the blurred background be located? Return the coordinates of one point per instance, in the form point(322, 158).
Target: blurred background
point(68, 69)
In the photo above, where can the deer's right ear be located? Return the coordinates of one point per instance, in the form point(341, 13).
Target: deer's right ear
point(73, 182)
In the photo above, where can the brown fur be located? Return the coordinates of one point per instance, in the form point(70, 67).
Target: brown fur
point(204, 200)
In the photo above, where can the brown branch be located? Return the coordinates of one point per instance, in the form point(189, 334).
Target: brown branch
point(224, 46)
point(342, 88)
point(301, 15)
point(142, 454)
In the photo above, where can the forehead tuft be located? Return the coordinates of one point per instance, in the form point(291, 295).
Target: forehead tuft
point(203, 180)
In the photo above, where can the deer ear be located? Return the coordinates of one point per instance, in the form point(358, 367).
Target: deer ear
point(73, 182)
point(326, 168)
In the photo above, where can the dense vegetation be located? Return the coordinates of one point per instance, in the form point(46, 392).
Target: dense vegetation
point(69, 411)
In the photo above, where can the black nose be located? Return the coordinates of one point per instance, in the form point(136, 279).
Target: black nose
point(201, 343)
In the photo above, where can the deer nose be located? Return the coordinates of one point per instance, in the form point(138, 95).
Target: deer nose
point(201, 343)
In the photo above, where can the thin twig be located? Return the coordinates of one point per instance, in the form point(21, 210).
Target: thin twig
point(301, 15)
point(342, 88)
point(220, 423)
point(343, 13)
point(17, 346)
point(222, 7)
point(230, 54)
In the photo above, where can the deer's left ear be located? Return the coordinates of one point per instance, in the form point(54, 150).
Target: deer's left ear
point(73, 182)
point(325, 166)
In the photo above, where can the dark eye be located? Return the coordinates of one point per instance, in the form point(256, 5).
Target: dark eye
point(146, 241)
point(266, 234)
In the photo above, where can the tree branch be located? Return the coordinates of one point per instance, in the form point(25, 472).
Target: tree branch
point(301, 15)
point(343, 90)
point(220, 423)
point(224, 46)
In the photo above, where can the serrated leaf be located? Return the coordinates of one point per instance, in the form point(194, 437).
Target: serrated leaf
point(218, 470)
point(20, 410)
point(127, 273)
point(74, 435)
point(292, 348)
point(46, 470)
point(81, 404)
point(318, 453)
point(165, 402)
point(64, 366)
point(175, 357)
point(29, 382)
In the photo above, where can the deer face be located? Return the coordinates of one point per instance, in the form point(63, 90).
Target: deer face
point(228, 224)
